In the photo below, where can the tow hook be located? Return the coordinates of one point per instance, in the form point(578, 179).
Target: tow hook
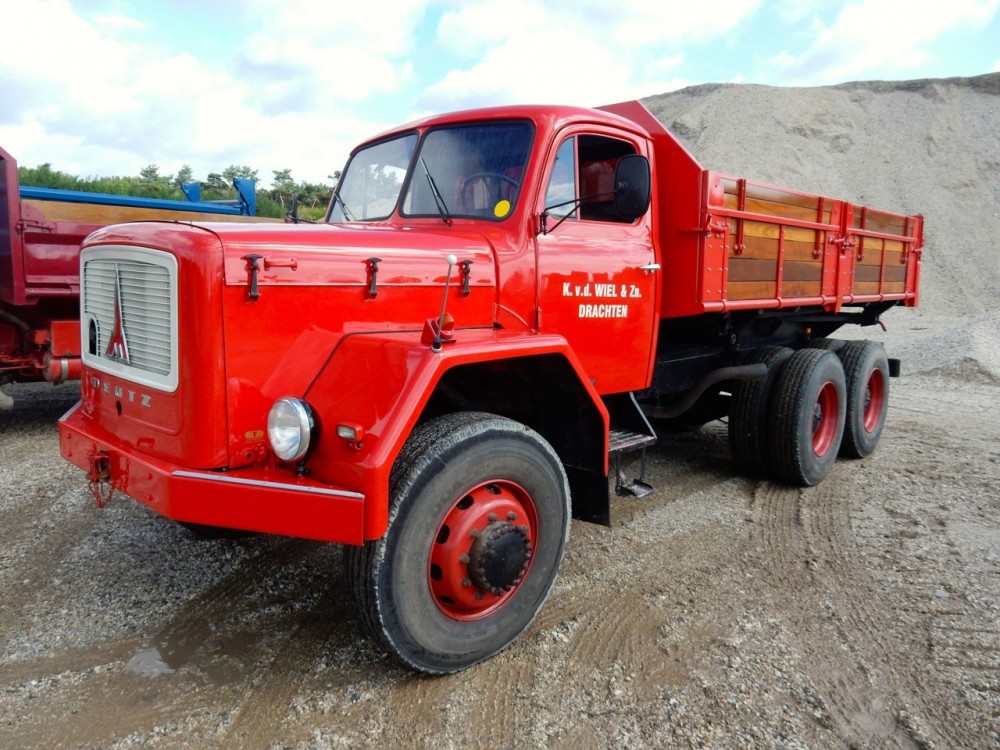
point(99, 477)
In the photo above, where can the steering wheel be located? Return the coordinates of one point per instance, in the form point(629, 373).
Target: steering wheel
point(491, 183)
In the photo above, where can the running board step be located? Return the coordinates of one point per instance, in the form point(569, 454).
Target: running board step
point(631, 432)
point(625, 441)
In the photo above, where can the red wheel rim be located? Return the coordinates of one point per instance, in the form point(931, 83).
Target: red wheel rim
point(499, 510)
point(825, 419)
point(874, 400)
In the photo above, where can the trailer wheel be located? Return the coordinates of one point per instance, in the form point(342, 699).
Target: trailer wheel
point(478, 522)
point(867, 370)
point(807, 417)
point(748, 415)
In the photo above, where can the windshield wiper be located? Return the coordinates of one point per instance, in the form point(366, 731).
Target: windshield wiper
point(343, 206)
point(442, 207)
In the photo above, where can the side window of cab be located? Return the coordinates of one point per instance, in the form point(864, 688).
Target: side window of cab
point(582, 182)
point(560, 195)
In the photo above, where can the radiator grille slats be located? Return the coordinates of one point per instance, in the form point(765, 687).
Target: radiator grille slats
point(145, 292)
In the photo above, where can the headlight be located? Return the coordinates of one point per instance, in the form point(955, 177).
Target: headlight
point(290, 426)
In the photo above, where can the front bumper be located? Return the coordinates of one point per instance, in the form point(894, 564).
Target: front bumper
point(272, 501)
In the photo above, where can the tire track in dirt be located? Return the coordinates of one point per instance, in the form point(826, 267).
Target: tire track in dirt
point(282, 673)
point(29, 569)
point(806, 543)
point(947, 561)
point(185, 644)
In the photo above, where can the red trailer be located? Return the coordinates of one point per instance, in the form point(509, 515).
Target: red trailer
point(501, 303)
point(41, 231)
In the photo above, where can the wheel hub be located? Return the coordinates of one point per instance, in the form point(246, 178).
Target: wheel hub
point(499, 557)
point(482, 551)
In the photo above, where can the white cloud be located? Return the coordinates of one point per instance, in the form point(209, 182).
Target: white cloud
point(572, 51)
point(104, 99)
point(654, 22)
point(797, 11)
point(297, 85)
point(869, 35)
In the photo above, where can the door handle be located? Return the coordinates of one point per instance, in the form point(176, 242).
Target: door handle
point(650, 267)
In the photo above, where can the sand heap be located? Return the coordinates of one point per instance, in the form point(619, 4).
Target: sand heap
point(929, 146)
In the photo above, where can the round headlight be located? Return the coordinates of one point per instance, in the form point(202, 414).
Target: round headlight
point(289, 428)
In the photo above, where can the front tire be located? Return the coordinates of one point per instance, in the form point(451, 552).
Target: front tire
point(478, 523)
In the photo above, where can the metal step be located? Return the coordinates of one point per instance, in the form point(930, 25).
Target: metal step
point(625, 441)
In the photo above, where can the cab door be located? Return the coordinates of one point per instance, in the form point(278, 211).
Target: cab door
point(598, 278)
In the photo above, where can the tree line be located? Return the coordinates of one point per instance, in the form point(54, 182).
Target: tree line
point(150, 183)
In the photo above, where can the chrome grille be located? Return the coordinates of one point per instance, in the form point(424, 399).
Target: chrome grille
point(145, 283)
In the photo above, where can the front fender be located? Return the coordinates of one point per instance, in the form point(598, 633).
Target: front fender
point(381, 382)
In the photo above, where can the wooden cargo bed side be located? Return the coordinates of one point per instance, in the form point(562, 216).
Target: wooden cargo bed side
point(772, 247)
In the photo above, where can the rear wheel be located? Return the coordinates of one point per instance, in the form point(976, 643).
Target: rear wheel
point(478, 523)
point(807, 417)
point(748, 417)
point(867, 370)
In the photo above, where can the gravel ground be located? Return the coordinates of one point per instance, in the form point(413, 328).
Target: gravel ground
point(718, 612)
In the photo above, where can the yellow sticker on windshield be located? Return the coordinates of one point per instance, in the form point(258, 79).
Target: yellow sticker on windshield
point(501, 209)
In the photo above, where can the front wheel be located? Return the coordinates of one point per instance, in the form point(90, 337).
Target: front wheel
point(478, 523)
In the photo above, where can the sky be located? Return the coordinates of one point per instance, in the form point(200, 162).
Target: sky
point(106, 87)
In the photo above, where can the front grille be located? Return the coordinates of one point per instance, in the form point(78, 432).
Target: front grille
point(142, 285)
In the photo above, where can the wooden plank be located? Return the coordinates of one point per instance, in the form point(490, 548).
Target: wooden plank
point(95, 213)
point(879, 221)
point(770, 231)
point(750, 290)
point(873, 273)
point(802, 271)
point(800, 289)
point(762, 290)
point(781, 210)
point(874, 258)
point(866, 287)
point(752, 269)
point(749, 269)
point(759, 247)
point(774, 194)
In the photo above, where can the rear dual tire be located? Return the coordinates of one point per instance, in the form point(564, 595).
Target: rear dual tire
point(867, 369)
point(748, 429)
point(806, 417)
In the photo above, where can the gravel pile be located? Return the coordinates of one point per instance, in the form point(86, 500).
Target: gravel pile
point(927, 147)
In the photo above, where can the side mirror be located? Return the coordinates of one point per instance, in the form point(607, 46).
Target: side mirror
point(633, 186)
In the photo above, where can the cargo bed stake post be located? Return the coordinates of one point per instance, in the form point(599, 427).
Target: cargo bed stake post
point(436, 345)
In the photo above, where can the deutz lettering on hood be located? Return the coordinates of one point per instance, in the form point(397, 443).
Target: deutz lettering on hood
point(335, 255)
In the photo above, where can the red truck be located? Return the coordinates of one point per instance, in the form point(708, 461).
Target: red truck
point(41, 230)
point(440, 376)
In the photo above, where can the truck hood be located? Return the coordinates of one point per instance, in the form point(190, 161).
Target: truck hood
point(349, 256)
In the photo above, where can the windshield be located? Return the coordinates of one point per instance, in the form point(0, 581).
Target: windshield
point(469, 170)
point(372, 181)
